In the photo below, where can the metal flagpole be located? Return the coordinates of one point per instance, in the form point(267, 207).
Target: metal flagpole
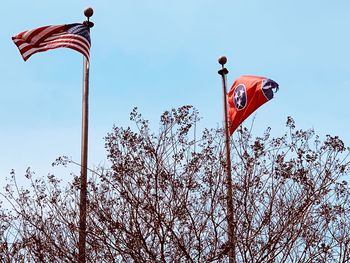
point(84, 152)
point(229, 195)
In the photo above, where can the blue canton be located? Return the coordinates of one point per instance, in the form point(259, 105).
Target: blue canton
point(79, 29)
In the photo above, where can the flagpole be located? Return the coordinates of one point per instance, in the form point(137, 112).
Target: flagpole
point(229, 194)
point(88, 12)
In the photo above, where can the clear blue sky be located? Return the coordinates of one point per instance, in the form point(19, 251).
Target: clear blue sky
point(162, 54)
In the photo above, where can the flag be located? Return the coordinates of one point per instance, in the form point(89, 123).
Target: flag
point(246, 95)
point(75, 36)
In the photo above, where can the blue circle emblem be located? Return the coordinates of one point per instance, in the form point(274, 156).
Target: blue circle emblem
point(240, 97)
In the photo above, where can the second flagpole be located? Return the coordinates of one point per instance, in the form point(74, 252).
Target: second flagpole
point(231, 244)
point(84, 152)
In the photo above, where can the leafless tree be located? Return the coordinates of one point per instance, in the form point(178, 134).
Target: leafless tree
point(163, 199)
point(291, 203)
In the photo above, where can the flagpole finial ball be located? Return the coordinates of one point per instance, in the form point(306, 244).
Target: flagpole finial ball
point(88, 12)
point(222, 60)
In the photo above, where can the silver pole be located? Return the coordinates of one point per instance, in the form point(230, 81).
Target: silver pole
point(84, 154)
point(229, 194)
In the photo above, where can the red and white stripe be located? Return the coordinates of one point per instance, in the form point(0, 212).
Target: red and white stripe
point(49, 37)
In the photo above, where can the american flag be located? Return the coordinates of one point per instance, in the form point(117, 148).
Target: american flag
point(75, 36)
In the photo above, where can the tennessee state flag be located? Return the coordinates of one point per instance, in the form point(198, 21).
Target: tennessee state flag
point(246, 95)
